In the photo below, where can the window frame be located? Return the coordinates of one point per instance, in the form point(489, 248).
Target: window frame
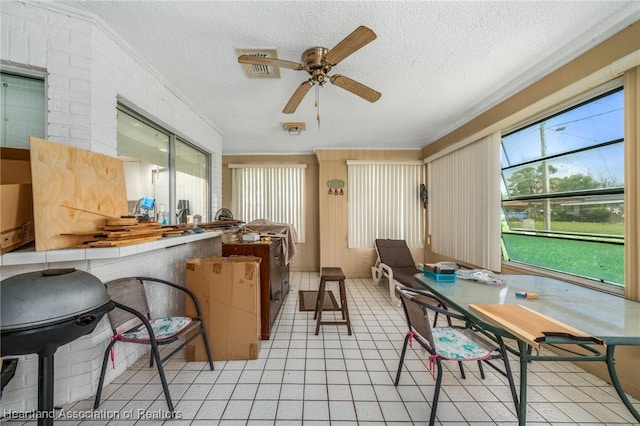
point(578, 101)
point(173, 139)
point(32, 73)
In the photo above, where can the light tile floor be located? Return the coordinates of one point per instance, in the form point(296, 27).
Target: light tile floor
point(337, 379)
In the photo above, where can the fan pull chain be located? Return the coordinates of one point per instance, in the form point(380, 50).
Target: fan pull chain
point(318, 105)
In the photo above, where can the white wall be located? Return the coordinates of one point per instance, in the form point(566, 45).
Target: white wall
point(88, 69)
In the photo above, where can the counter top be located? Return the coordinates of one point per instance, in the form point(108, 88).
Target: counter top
point(29, 256)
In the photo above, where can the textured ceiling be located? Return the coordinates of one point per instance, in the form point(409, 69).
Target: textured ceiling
point(437, 64)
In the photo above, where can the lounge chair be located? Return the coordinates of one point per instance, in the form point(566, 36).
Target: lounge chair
point(396, 264)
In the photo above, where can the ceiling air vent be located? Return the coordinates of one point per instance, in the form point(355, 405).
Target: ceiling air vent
point(294, 128)
point(260, 71)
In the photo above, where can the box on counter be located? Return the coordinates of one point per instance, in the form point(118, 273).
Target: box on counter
point(441, 278)
point(16, 199)
point(441, 267)
point(228, 291)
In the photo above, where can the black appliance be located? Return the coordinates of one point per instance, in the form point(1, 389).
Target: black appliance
point(41, 311)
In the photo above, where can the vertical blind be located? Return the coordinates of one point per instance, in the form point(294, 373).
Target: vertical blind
point(384, 202)
point(275, 193)
point(464, 203)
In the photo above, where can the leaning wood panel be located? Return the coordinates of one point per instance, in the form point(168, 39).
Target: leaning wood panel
point(64, 177)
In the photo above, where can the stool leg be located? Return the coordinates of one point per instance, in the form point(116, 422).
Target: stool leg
point(319, 298)
point(319, 305)
point(345, 308)
point(343, 298)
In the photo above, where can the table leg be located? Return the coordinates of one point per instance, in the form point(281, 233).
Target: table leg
point(616, 382)
point(509, 373)
point(524, 360)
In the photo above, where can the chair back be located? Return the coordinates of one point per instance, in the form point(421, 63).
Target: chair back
point(416, 307)
point(394, 253)
point(129, 292)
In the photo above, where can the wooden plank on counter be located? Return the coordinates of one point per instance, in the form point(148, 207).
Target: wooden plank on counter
point(524, 323)
point(66, 176)
point(124, 242)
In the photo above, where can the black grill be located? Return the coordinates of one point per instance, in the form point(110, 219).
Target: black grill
point(41, 311)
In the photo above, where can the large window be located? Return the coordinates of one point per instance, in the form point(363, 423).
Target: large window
point(563, 190)
point(271, 192)
point(384, 202)
point(167, 178)
point(23, 109)
point(192, 183)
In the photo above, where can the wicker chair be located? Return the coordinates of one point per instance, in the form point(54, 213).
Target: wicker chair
point(131, 322)
point(456, 343)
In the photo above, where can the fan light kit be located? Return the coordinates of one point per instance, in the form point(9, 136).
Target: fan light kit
point(317, 62)
point(294, 128)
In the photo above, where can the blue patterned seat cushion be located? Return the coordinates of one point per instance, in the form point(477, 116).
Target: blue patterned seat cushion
point(163, 328)
point(454, 344)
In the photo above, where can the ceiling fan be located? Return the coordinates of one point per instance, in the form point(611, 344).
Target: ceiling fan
point(318, 61)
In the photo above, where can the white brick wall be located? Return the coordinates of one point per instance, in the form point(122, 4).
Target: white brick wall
point(77, 364)
point(89, 68)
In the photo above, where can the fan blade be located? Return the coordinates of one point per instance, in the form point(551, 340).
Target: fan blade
point(354, 41)
point(297, 97)
point(272, 62)
point(356, 88)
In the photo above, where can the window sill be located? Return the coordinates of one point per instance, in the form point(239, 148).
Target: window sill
point(514, 267)
point(30, 256)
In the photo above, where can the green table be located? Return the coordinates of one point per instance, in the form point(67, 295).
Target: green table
point(611, 318)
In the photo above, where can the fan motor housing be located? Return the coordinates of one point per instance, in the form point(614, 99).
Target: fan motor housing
point(313, 59)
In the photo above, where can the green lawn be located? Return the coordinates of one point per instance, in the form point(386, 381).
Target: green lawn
point(599, 261)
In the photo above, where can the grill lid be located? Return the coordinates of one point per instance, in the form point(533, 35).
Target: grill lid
point(45, 297)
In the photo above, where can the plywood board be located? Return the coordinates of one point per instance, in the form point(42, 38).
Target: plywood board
point(524, 323)
point(66, 176)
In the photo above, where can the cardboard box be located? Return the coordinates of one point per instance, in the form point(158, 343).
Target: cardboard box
point(16, 199)
point(228, 291)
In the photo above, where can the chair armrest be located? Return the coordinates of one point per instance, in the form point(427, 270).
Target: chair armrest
point(143, 319)
point(376, 271)
point(424, 293)
point(178, 287)
point(386, 269)
point(439, 307)
point(446, 312)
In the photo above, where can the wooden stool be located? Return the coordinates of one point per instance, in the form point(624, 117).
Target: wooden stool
point(332, 274)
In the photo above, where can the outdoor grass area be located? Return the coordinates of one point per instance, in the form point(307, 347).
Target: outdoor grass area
point(595, 260)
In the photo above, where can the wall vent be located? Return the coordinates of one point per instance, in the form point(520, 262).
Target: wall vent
point(260, 71)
